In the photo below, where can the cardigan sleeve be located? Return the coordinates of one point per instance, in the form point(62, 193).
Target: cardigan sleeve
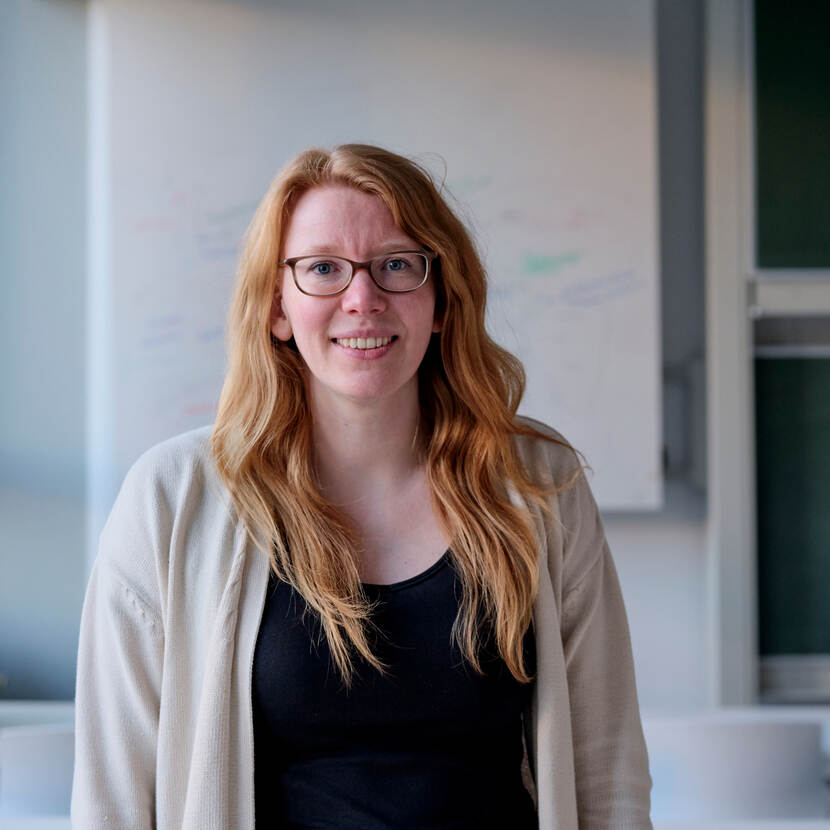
point(610, 759)
point(116, 707)
point(120, 658)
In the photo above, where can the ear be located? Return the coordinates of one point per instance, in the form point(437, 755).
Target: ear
point(437, 324)
point(280, 326)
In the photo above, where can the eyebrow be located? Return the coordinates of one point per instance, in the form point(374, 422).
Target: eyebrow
point(387, 248)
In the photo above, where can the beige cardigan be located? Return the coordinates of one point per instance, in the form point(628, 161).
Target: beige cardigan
point(164, 730)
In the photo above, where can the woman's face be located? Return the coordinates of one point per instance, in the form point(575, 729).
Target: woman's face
point(342, 221)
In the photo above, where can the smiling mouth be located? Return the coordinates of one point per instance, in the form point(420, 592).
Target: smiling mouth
point(364, 342)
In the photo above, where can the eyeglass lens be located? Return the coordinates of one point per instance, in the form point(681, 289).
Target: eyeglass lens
point(400, 271)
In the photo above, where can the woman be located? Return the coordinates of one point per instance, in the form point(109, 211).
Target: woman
point(372, 590)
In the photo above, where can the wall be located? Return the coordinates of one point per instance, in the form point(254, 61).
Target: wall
point(660, 556)
point(42, 241)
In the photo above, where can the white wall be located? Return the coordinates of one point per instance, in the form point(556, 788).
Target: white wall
point(661, 563)
point(42, 241)
point(660, 556)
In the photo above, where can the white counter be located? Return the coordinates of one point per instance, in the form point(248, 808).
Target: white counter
point(759, 763)
point(772, 824)
point(751, 768)
point(792, 824)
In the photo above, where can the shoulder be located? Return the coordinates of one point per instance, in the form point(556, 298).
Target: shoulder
point(171, 485)
point(173, 469)
point(574, 530)
point(545, 452)
point(181, 455)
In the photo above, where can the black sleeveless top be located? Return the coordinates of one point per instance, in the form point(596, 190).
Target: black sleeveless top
point(431, 744)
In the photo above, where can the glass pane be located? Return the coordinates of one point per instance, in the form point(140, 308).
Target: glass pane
point(322, 274)
point(399, 271)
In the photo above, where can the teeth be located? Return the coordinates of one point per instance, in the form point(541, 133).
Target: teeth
point(364, 342)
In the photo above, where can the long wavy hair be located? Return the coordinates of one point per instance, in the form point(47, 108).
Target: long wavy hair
point(469, 390)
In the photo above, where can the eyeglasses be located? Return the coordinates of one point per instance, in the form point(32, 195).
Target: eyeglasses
point(322, 275)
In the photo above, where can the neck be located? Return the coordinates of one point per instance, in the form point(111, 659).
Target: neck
point(365, 445)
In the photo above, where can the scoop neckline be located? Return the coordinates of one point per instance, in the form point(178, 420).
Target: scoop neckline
point(436, 566)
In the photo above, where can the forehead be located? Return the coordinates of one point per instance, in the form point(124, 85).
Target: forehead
point(338, 218)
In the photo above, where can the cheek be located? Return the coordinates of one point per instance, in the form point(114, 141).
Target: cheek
point(309, 317)
point(428, 324)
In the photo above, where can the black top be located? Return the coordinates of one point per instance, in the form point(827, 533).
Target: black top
point(432, 744)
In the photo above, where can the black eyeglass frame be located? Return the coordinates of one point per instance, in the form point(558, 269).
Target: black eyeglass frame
point(428, 255)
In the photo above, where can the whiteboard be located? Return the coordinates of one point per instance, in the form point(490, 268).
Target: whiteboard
point(539, 116)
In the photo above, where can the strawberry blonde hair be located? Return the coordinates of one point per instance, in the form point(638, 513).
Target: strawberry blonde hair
point(469, 389)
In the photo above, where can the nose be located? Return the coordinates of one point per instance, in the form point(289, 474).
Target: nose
point(363, 296)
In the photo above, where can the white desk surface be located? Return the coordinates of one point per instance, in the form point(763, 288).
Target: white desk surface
point(739, 714)
point(62, 823)
point(754, 824)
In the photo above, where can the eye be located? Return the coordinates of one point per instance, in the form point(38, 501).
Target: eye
point(397, 264)
point(322, 269)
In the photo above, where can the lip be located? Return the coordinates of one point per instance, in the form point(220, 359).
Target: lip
point(364, 354)
point(363, 334)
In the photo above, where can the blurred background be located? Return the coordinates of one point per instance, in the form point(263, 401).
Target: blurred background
point(647, 182)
